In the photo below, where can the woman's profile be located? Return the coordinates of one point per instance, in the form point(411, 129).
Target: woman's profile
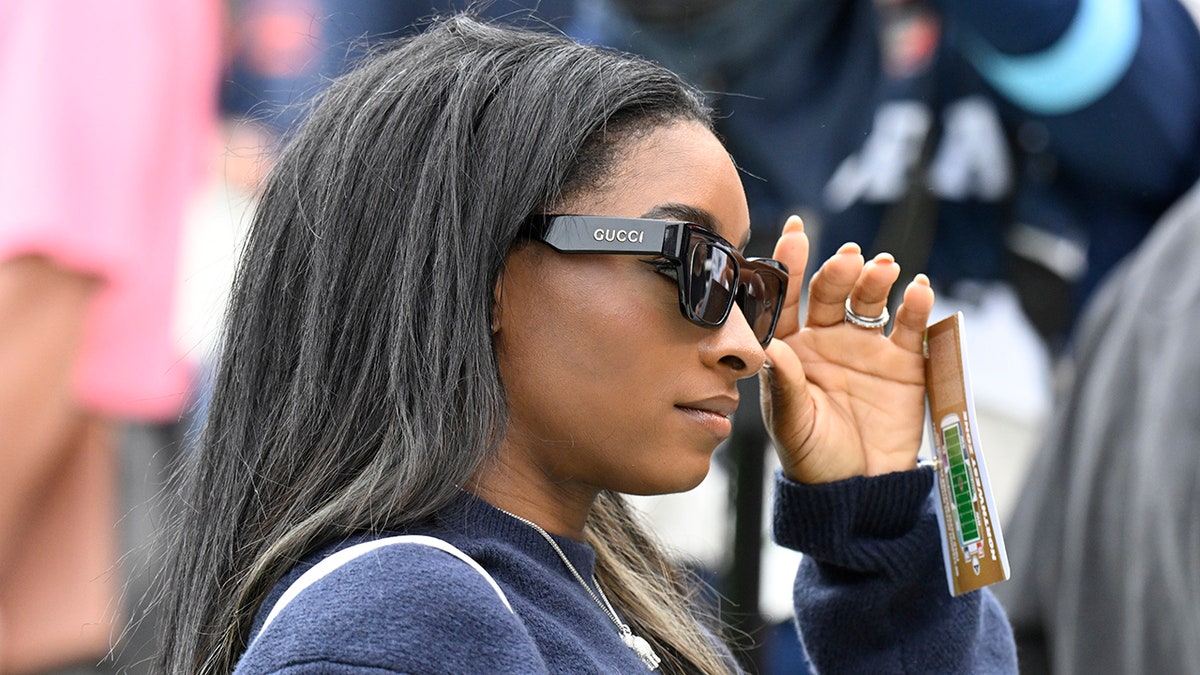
point(494, 282)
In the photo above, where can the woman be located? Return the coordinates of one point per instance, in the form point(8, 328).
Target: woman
point(472, 308)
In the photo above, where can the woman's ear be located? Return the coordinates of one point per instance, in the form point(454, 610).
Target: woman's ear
point(497, 294)
point(521, 258)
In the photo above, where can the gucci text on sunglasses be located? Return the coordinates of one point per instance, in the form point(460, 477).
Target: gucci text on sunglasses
point(631, 236)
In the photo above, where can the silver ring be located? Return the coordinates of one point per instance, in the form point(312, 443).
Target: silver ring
point(866, 321)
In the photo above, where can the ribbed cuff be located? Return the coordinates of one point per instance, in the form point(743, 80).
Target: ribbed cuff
point(872, 525)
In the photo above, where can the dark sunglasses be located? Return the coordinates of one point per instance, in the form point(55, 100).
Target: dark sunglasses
point(711, 273)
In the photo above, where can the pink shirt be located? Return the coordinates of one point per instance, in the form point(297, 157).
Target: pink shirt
point(107, 111)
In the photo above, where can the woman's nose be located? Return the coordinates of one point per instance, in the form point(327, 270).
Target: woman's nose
point(734, 345)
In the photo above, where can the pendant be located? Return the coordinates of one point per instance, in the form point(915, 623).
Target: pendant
point(642, 648)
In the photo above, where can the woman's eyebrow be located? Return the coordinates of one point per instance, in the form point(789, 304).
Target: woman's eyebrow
point(691, 214)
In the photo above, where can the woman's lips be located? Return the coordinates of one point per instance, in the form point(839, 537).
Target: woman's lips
point(713, 414)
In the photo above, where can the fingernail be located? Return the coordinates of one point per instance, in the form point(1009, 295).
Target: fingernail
point(885, 257)
point(849, 247)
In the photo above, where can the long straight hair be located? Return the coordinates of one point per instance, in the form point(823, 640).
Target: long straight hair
point(357, 386)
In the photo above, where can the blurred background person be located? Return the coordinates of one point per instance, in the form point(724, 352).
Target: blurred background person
point(1104, 543)
point(285, 51)
point(105, 124)
point(948, 124)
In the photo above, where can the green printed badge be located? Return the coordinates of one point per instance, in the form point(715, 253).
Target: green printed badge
point(972, 544)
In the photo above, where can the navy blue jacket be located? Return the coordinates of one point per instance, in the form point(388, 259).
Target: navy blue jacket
point(870, 597)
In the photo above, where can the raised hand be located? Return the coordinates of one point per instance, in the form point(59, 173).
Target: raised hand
point(841, 400)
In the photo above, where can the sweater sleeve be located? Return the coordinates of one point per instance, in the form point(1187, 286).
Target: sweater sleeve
point(399, 609)
point(870, 593)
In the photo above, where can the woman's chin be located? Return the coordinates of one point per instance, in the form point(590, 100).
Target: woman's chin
point(669, 479)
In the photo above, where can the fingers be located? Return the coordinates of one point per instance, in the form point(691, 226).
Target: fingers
point(913, 315)
point(792, 250)
point(870, 295)
point(845, 275)
point(831, 285)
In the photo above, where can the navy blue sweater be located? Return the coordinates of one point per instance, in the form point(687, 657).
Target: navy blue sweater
point(870, 597)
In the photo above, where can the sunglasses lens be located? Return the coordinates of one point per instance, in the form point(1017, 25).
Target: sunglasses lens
point(712, 282)
point(760, 298)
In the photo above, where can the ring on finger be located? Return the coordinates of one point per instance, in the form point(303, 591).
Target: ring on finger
point(866, 321)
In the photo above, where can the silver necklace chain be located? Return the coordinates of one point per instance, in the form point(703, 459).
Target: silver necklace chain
point(639, 645)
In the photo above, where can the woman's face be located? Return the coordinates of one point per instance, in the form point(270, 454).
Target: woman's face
point(609, 386)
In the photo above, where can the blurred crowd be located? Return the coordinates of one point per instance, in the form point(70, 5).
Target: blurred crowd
point(1038, 159)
